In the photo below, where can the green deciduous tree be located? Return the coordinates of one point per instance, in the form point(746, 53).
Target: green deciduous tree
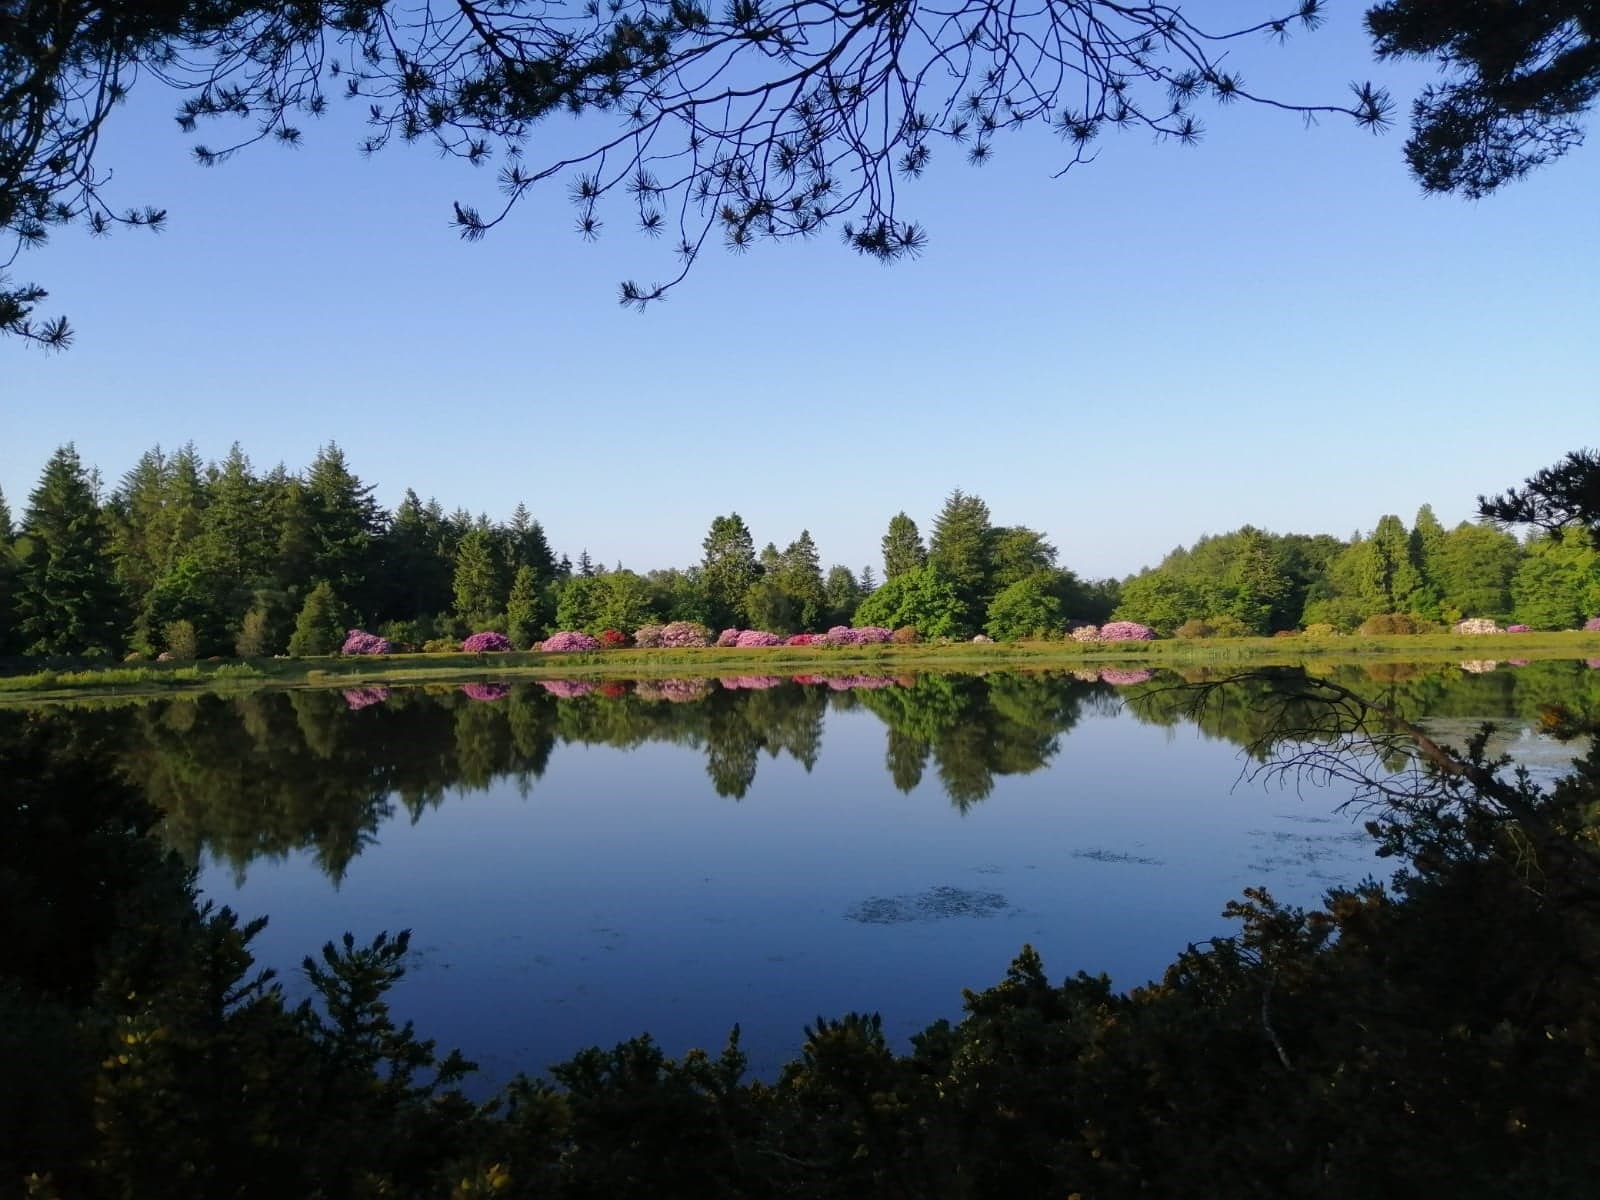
point(1030, 607)
point(1473, 570)
point(843, 592)
point(1557, 585)
point(924, 598)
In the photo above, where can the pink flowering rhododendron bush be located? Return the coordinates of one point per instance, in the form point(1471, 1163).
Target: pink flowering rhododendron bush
point(1519, 628)
point(1086, 633)
point(487, 642)
point(567, 689)
point(569, 641)
point(684, 635)
point(755, 638)
point(728, 637)
point(1125, 631)
point(1592, 625)
point(486, 691)
point(356, 699)
point(360, 641)
point(647, 637)
point(866, 635)
point(807, 639)
point(1478, 625)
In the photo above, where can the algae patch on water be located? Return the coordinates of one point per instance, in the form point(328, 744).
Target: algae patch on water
point(936, 904)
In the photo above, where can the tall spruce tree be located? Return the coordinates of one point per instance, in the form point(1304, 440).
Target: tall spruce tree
point(68, 599)
point(478, 598)
point(728, 568)
point(345, 524)
point(962, 547)
point(322, 624)
point(902, 547)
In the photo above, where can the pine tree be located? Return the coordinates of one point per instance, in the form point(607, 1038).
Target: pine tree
point(800, 575)
point(522, 608)
point(68, 600)
point(728, 568)
point(902, 547)
point(321, 626)
point(344, 525)
point(962, 546)
point(478, 598)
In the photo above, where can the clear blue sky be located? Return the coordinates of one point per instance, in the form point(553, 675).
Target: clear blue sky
point(1274, 327)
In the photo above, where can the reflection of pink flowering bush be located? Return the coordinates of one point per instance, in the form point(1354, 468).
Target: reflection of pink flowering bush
point(684, 635)
point(1086, 633)
point(1519, 628)
point(567, 689)
point(810, 679)
point(1518, 662)
point(1121, 678)
point(1592, 625)
point(647, 637)
point(568, 641)
point(487, 642)
point(1084, 675)
point(359, 698)
point(751, 683)
point(728, 637)
point(360, 641)
point(1592, 663)
point(756, 637)
point(845, 683)
point(1126, 631)
point(1480, 666)
point(486, 691)
point(677, 691)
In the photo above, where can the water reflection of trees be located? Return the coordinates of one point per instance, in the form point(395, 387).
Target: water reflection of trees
point(321, 771)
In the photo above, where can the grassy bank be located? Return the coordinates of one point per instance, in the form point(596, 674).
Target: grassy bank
point(29, 687)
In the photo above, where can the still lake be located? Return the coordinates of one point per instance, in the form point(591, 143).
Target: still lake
point(581, 863)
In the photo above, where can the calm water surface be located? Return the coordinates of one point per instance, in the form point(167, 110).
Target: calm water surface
point(679, 857)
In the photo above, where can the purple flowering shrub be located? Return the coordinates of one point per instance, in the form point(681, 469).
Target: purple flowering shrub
point(684, 635)
point(1519, 628)
point(728, 637)
point(752, 638)
point(867, 635)
point(647, 637)
point(356, 699)
point(807, 639)
point(676, 691)
point(1592, 625)
point(567, 689)
point(486, 691)
point(487, 642)
point(1119, 677)
point(1125, 631)
point(360, 641)
point(568, 641)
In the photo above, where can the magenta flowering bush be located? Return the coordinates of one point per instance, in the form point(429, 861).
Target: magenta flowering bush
point(356, 699)
point(728, 637)
point(1519, 628)
point(676, 691)
point(752, 638)
point(486, 691)
point(873, 635)
point(569, 641)
point(1592, 625)
point(1086, 633)
point(647, 637)
point(359, 641)
point(751, 683)
point(807, 639)
point(567, 689)
point(487, 642)
point(1126, 631)
point(1118, 677)
point(684, 635)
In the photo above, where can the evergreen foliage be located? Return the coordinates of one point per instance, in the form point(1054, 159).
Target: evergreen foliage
point(320, 627)
point(67, 599)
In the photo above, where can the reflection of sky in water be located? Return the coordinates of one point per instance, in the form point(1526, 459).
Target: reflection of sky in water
point(621, 895)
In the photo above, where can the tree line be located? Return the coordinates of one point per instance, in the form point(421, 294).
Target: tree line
point(194, 558)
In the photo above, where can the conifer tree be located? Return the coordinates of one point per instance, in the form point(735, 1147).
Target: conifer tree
point(522, 608)
point(902, 547)
point(478, 599)
point(728, 568)
point(962, 546)
point(322, 624)
point(68, 601)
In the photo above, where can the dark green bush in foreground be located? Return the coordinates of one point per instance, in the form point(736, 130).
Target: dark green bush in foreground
point(1439, 1036)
